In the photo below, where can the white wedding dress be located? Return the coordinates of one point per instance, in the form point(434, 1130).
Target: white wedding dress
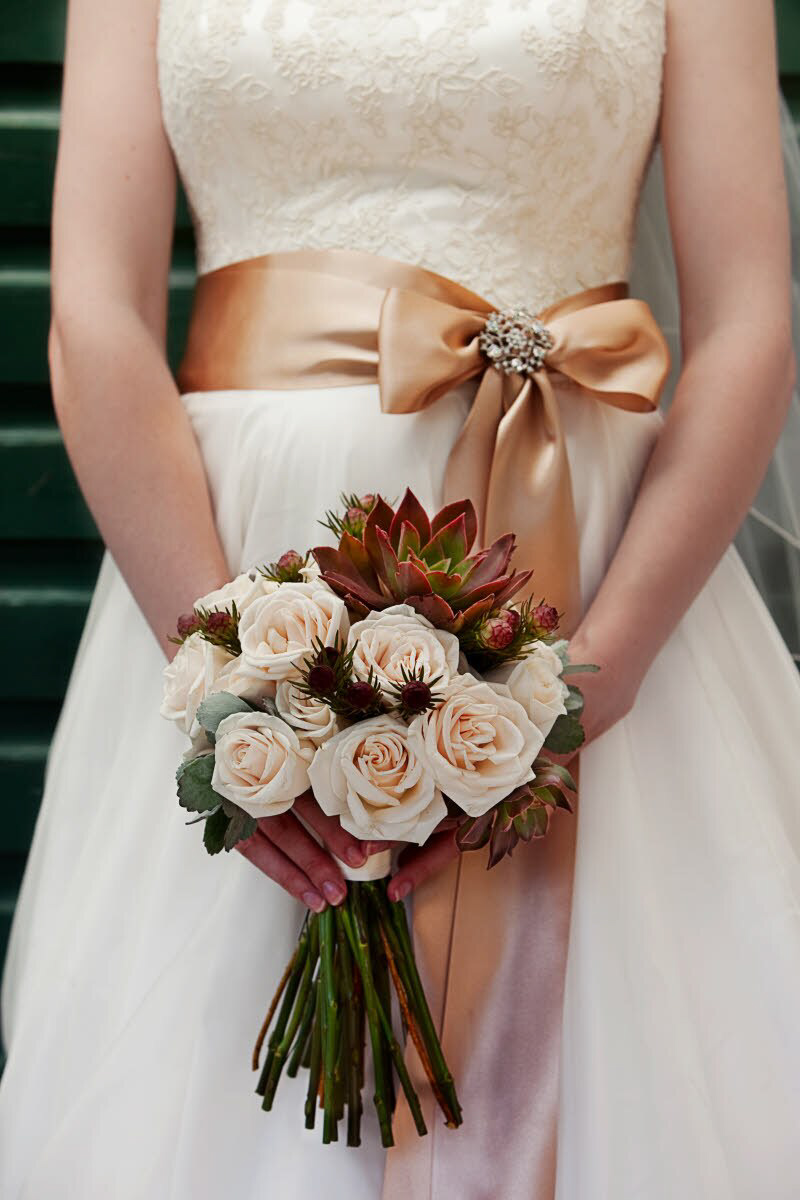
point(502, 143)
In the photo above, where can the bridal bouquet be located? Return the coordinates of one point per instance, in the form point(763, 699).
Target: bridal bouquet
point(395, 677)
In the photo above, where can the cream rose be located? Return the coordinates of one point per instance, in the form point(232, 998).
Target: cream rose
point(277, 631)
point(258, 764)
point(312, 718)
point(236, 679)
point(189, 678)
point(370, 777)
point(244, 589)
point(398, 639)
point(535, 683)
point(478, 745)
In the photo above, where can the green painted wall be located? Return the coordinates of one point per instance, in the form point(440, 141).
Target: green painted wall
point(49, 550)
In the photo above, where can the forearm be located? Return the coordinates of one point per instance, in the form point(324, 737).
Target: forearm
point(137, 461)
point(707, 465)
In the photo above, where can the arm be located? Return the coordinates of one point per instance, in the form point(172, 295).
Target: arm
point(127, 433)
point(125, 429)
point(725, 190)
point(720, 139)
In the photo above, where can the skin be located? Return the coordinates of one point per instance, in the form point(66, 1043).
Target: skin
point(128, 435)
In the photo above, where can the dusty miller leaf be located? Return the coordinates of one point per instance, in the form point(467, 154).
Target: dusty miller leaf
point(195, 792)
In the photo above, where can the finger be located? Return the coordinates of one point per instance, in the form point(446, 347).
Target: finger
point(338, 840)
point(421, 863)
point(268, 858)
point(346, 847)
point(297, 844)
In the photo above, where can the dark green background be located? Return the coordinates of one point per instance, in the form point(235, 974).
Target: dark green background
point(50, 550)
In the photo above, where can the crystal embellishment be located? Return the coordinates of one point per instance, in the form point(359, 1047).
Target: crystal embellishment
point(515, 341)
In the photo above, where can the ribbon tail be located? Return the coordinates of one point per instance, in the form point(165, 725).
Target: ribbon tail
point(469, 466)
point(530, 493)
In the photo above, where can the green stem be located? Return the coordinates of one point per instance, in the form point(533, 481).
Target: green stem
point(395, 918)
point(286, 1007)
point(330, 1009)
point(354, 1036)
point(315, 1061)
point(380, 969)
point(302, 1046)
point(278, 1055)
point(359, 944)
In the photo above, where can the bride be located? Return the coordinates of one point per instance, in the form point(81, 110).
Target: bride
point(642, 1042)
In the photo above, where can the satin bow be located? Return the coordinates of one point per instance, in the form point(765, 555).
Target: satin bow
point(511, 456)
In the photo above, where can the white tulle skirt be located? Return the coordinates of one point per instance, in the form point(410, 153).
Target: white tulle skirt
point(139, 969)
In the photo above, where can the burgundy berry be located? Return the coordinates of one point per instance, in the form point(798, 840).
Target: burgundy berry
point(416, 696)
point(322, 679)
point(360, 696)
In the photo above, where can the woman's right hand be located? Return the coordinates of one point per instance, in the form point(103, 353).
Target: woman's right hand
point(285, 851)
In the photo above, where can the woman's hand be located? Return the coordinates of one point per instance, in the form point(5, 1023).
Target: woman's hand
point(285, 851)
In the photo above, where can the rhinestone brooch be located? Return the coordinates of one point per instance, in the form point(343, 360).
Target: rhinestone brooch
point(515, 342)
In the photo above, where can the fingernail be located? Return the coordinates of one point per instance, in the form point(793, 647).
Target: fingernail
point(314, 901)
point(401, 890)
point(355, 857)
point(333, 891)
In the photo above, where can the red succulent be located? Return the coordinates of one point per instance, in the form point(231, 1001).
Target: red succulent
point(405, 557)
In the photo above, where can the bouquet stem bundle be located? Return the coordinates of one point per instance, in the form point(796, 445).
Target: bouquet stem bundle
point(338, 987)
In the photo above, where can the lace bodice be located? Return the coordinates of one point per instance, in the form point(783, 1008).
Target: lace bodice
point(499, 142)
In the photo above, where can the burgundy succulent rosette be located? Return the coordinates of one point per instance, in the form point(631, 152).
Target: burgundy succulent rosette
point(396, 675)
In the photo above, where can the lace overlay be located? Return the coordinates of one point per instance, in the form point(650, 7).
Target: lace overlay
point(500, 142)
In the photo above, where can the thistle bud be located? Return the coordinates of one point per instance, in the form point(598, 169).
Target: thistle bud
point(416, 696)
point(354, 520)
point(367, 501)
point(188, 623)
point(499, 631)
point(291, 561)
point(288, 567)
point(360, 696)
point(546, 617)
point(322, 679)
point(330, 655)
point(219, 623)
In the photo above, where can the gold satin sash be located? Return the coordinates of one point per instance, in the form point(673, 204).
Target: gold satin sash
point(327, 318)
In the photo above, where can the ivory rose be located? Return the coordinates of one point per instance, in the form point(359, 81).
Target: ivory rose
point(478, 744)
point(372, 779)
point(189, 678)
point(312, 718)
point(259, 763)
point(236, 679)
point(400, 638)
point(278, 630)
point(534, 682)
point(244, 589)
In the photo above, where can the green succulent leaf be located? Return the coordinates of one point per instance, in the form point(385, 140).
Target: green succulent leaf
point(500, 844)
point(574, 701)
point(216, 708)
point(580, 669)
point(550, 774)
point(448, 514)
point(409, 511)
point(409, 541)
point(195, 792)
point(566, 735)
point(449, 542)
point(214, 832)
point(474, 832)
